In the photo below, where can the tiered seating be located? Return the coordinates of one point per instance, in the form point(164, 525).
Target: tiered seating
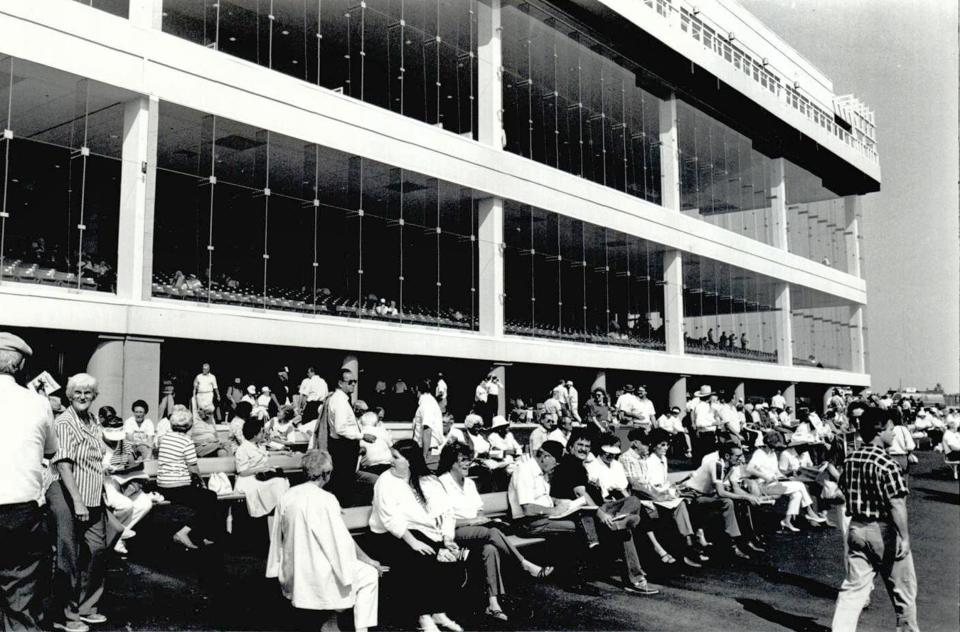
point(705, 348)
point(26, 272)
point(520, 328)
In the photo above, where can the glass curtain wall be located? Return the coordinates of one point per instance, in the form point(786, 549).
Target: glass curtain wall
point(245, 216)
point(119, 8)
point(724, 179)
point(570, 103)
point(415, 57)
point(816, 219)
point(572, 280)
point(728, 311)
point(821, 329)
point(59, 177)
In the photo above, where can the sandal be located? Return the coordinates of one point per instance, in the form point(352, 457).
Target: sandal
point(666, 558)
point(545, 572)
point(496, 614)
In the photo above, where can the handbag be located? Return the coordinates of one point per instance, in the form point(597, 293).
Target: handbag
point(219, 483)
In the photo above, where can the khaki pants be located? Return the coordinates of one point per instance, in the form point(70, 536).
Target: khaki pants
point(871, 550)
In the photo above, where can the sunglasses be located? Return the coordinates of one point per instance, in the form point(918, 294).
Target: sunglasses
point(350, 382)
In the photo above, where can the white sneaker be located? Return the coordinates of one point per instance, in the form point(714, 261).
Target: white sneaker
point(120, 548)
point(127, 534)
point(443, 620)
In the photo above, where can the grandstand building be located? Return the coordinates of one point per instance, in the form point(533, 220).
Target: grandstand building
point(656, 192)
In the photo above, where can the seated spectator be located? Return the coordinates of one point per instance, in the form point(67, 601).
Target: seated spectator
point(539, 434)
point(178, 478)
point(319, 565)
point(375, 457)
point(261, 485)
point(765, 467)
point(414, 532)
point(569, 482)
point(123, 465)
point(503, 445)
point(715, 487)
point(279, 428)
point(665, 495)
point(611, 490)
point(241, 413)
point(672, 423)
point(476, 532)
point(204, 434)
point(561, 434)
point(950, 444)
point(140, 430)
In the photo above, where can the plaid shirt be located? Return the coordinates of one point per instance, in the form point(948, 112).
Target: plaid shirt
point(870, 480)
point(635, 468)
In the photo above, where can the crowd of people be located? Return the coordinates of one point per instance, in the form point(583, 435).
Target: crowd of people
point(592, 479)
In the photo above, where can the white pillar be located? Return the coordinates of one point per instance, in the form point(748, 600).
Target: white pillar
point(673, 301)
point(141, 373)
point(739, 392)
point(857, 363)
point(790, 394)
point(490, 277)
point(784, 325)
point(147, 14)
point(106, 364)
point(669, 155)
point(778, 203)
point(137, 187)
point(678, 393)
point(500, 371)
point(598, 382)
point(489, 75)
point(851, 233)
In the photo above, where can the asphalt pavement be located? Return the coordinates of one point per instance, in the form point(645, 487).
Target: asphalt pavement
point(792, 586)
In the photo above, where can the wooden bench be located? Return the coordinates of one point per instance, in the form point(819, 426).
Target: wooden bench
point(228, 466)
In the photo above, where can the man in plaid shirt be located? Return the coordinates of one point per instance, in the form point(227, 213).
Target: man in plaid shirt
point(878, 540)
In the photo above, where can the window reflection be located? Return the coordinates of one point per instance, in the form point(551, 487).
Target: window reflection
point(415, 58)
point(728, 311)
point(816, 219)
point(59, 177)
point(572, 280)
point(253, 218)
point(822, 329)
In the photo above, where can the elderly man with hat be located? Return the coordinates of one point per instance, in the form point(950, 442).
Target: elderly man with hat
point(26, 437)
point(703, 414)
point(502, 441)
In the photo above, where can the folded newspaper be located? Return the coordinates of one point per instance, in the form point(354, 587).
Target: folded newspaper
point(573, 507)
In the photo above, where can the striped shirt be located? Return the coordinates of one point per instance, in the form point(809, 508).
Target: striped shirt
point(870, 480)
point(118, 457)
point(82, 445)
point(176, 452)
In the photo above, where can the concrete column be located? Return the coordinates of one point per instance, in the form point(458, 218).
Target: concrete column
point(673, 301)
point(127, 369)
point(790, 394)
point(353, 364)
point(500, 371)
point(490, 277)
point(778, 203)
point(851, 233)
point(678, 393)
point(598, 382)
point(669, 155)
point(489, 75)
point(147, 14)
point(784, 325)
point(857, 361)
point(137, 186)
point(739, 392)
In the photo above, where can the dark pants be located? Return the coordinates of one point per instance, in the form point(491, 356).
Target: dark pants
point(492, 548)
point(344, 454)
point(419, 583)
point(568, 539)
point(703, 443)
point(81, 558)
point(23, 545)
point(208, 521)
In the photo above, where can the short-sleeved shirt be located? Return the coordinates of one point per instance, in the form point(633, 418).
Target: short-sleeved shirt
point(870, 480)
point(82, 444)
point(139, 433)
point(528, 486)
point(465, 501)
point(120, 455)
point(206, 383)
point(569, 474)
point(175, 453)
point(597, 411)
point(26, 434)
point(249, 457)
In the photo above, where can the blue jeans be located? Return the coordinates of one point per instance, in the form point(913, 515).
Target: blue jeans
point(871, 550)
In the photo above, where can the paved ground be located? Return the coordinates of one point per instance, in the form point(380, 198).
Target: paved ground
point(791, 587)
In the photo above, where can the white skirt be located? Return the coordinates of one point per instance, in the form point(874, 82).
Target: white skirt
point(262, 496)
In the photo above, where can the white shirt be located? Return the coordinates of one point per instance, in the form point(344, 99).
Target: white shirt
point(505, 443)
point(465, 501)
point(139, 433)
point(378, 452)
point(703, 416)
point(441, 390)
point(764, 465)
point(951, 441)
point(343, 421)
point(481, 394)
point(629, 403)
point(528, 486)
point(778, 401)
point(26, 434)
point(537, 437)
point(557, 435)
point(729, 417)
point(670, 423)
point(430, 416)
point(648, 414)
point(396, 508)
point(657, 471)
point(205, 383)
point(479, 443)
point(702, 478)
point(314, 388)
point(791, 461)
point(606, 477)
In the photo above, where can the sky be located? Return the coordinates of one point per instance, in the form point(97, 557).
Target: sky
point(900, 58)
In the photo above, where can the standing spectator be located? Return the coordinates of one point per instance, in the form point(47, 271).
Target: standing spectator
point(878, 539)
point(168, 401)
point(26, 437)
point(234, 396)
point(428, 423)
point(493, 398)
point(313, 388)
point(597, 410)
point(648, 414)
point(441, 392)
point(281, 390)
point(572, 400)
point(345, 436)
point(629, 408)
point(481, 396)
point(778, 401)
point(140, 431)
point(705, 421)
point(205, 389)
point(744, 341)
point(76, 501)
point(319, 566)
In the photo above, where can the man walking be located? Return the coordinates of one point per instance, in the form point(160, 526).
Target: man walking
point(26, 436)
point(878, 540)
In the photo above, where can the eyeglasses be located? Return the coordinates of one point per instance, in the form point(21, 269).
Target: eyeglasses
point(350, 382)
